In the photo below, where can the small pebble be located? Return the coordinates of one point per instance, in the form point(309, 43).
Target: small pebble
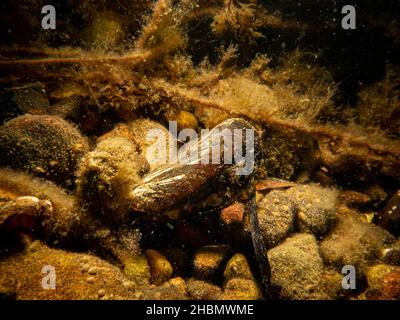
point(209, 260)
point(237, 267)
point(391, 255)
point(138, 295)
point(85, 268)
point(35, 246)
point(233, 214)
point(90, 280)
point(351, 197)
point(93, 271)
point(160, 268)
point(391, 285)
point(101, 293)
point(187, 120)
point(130, 285)
point(84, 260)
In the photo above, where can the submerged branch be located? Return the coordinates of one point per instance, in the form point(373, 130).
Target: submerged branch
point(379, 151)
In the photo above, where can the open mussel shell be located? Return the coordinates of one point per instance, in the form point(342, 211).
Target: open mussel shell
point(197, 164)
point(24, 214)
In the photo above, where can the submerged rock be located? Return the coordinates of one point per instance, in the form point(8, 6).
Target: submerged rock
point(174, 289)
point(46, 146)
point(107, 174)
point(383, 282)
point(354, 242)
point(391, 254)
point(239, 282)
point(146, 133)
point(29, 98)
point(297, 268)
point(391, 285)
point(276, 214)
point(241, 289)
point(208, 261)
point(187, 120)
point(316, 208)
point(376, 272)
point(307, 208)
point(390, 217)
point(105, 31)
point(237, 267)
point(180, 260)
point(8, 286)
point(203, 290)
point(64, 224)
point(160, 268)
point(233, 214)
point(232, 223)
point(61, 221)
point(137, 269)
point(71, 279)
point(331, 284)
